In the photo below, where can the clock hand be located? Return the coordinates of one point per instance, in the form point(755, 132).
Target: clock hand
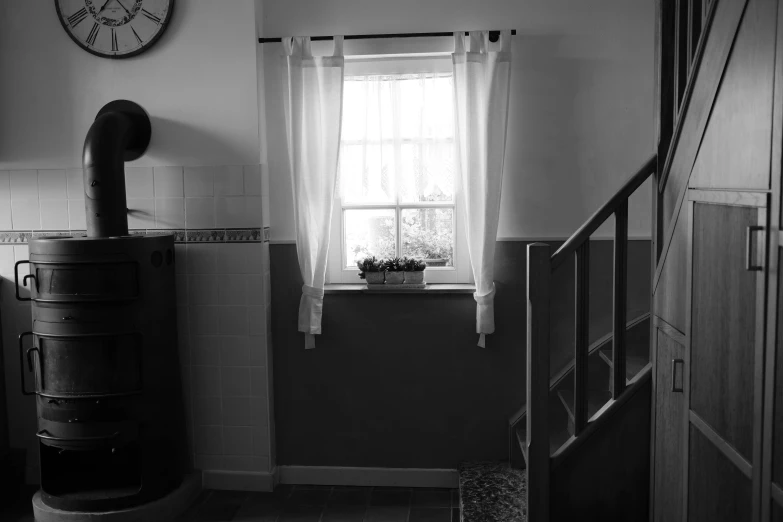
point(103, 7)
point(126, 9)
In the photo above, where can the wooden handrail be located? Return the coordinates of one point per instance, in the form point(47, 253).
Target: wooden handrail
point(602, 214)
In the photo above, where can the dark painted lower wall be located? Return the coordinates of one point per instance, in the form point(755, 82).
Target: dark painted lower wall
point(398, 381)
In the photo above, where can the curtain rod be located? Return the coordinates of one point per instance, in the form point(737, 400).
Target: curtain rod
point(493, 36)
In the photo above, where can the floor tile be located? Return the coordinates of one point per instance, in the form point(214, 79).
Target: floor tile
point(390, 497)
point(309, 497)
point(431, 498)
point(219, 506)
point(386, 514)
point(343, 514)
point(298, 513)
point(259, 507)
point(350, 497)
point(428, 514)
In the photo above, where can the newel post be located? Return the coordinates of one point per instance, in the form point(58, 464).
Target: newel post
point(538, 275)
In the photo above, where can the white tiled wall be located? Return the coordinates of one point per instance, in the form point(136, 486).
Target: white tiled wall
point(231, 196)
point(224, 346)
point(223, 298)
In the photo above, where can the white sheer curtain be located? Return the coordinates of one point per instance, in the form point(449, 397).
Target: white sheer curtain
point(313, 94)
point(482, 76)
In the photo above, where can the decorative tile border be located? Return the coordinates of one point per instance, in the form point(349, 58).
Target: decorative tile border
point(222, 235)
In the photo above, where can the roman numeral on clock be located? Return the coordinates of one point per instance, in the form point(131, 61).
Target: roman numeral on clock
point(114, 46)
point(77, 17)
point(151, 16)
point(93, 34)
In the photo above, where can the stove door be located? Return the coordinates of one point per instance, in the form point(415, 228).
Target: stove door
point(59, 282)
point(88, 365)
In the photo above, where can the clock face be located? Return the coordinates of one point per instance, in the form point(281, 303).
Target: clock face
point(115, 28)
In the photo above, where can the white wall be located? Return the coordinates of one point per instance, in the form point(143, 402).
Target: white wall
point(198, 83)
point(581, 114)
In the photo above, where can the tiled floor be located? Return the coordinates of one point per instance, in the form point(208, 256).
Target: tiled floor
point(327, 504)
point(307, 504)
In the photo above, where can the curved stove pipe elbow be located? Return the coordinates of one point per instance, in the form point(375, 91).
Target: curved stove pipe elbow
point(121, 132)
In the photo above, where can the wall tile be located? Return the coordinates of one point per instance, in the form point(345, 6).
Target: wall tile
point(205, 349)
point(6, 222)
point(244, 463)
point(52, 185)
point(232, 289)
point(255, 290)
point(203, 289)
point(258, 350)
point(204, 320)
point(259, 413)
point(139, 182)
point(252, 175)
point(169, 213)
point(141, 213)
point(199, 181)
point(238, 440)
point(54, 214)
point(235, 381)
point(206, 381)
point(266, 220)
point(24, 184)
point(202, 259)
point(207, 411)
point(232, 259)
point(230, 212)
point(232, 320)
point(265, 180)
point(200, 213)
point(25, 214)
point(76, 214)
point(260, 442)
point(209, 440)
point(254, 262)
point(230, 182)
point(183, 338)
point(168, 182)
point(254, 210)
point(75, 183)
point(237, 411)
point(234, 350)
point(256, 320)
point(258, 382)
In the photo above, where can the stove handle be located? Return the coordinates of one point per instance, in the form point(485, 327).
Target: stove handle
point(24, 281)
point(22, 354)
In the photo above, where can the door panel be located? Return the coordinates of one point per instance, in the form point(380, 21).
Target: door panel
point(717, 491)
point(723, 323)
point(725, 350)
point(669, 429)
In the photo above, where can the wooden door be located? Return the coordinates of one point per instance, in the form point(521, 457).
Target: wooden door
point(773, 414)
point(725, 334)
point(670, 422)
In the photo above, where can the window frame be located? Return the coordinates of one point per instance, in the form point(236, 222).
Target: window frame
point(337, 270)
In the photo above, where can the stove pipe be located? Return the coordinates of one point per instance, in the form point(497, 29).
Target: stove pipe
point(121, 132)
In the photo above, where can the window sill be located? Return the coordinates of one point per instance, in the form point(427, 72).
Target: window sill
point(435, 288)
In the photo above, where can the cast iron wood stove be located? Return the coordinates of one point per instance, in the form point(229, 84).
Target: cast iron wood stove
point(104, 354)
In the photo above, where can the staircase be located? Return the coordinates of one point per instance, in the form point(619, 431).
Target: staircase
point(582, 436)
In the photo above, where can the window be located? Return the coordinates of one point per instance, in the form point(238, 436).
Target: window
point(398, 195)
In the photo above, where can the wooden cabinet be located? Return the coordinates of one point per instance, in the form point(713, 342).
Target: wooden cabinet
point(668, 453)
point(724, 353)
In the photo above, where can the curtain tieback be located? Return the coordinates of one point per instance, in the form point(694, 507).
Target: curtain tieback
point(485, 299)
point(311, 291)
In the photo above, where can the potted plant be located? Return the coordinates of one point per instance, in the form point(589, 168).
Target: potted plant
point(372, 270)
point(414, 271)
point(394, 271)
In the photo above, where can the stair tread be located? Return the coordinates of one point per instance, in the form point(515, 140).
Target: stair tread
point(595, 401)
point(633, 363)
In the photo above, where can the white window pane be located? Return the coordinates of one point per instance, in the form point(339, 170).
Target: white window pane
point(371, 232)
point(428, 233)
point(367, 174)
point(427, 172)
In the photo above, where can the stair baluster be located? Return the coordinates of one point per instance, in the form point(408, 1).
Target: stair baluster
point(620, 298)
point(581, 334)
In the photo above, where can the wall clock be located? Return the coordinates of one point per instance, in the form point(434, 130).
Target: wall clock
point(115, 28)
